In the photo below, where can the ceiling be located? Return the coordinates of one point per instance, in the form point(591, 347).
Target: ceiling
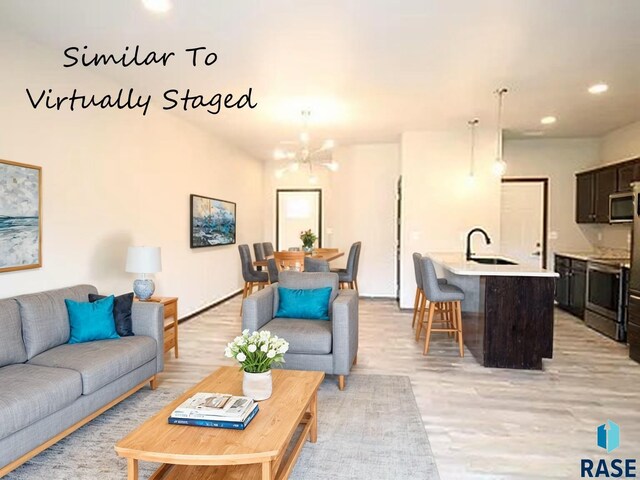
point(368, 69)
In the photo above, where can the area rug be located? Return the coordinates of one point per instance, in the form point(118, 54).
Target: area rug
point(371, 430)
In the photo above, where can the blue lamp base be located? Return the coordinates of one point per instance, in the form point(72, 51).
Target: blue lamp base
point(143, 288)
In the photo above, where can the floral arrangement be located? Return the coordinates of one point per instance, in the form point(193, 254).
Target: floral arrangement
point(308, 238)
point(257, 352)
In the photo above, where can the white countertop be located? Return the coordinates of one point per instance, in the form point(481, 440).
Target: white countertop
point(457, 264)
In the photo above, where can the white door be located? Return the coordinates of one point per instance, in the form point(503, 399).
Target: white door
point(522, 221)
point(298, 211)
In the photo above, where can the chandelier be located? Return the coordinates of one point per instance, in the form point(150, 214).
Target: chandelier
point(301, 154)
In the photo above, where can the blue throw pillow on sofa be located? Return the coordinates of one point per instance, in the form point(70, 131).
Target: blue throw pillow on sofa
point(310, 304)
point(91, 320)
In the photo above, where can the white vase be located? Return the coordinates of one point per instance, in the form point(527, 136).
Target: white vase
point(257, 385)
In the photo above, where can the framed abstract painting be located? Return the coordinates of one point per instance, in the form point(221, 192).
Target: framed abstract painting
point(213, 222)
point(20, 216)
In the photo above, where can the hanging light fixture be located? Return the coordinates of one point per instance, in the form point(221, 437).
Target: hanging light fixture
point(472, 155)
point(499, 166)
point(303, 154)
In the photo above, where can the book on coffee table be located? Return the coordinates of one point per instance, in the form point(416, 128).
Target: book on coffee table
point(215, 406)
point(201, 422)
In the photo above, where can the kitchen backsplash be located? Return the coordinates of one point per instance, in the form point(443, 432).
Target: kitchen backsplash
point(609, 237)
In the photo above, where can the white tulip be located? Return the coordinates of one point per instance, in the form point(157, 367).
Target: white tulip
point(252, 348)
point(271, 353)
point(228, 353)
point(264, 348)
point(241, 357)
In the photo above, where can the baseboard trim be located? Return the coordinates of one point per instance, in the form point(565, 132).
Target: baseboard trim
point(209, 306)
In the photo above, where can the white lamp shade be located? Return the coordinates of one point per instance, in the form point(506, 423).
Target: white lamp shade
point(143, 260)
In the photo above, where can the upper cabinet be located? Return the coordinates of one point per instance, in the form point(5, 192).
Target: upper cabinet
point(585, 198)
point(594, 187)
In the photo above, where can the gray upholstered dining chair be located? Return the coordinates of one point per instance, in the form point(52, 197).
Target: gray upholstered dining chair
point(328, 346)
point(349, 276)
point(258, 251)
point(420, 301)
point(268, 248)
point(447, 300)
point(251, 276)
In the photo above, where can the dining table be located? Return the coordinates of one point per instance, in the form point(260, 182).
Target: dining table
point(328, 256)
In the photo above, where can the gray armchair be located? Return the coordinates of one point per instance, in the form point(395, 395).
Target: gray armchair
point(327, 346)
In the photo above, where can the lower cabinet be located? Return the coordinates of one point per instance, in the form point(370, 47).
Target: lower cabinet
point(633, 328)
point(571, 286)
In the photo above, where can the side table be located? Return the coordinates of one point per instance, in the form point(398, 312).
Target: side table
point(170, 322)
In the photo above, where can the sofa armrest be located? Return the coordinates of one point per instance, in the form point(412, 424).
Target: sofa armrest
point(345, 331)
point(257, 309)
point(148, 320)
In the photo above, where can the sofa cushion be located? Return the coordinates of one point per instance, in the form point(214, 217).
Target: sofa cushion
point(91, 321)
point(30, 393)
point(121, 312)
point(304, 336)
point(11, 345)
point(101, 362)
point(312, 303)
point(45, 322)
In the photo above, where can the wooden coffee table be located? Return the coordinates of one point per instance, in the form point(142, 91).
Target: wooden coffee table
point(258, 452)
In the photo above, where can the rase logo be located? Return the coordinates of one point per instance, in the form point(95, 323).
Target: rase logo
point(608, 438)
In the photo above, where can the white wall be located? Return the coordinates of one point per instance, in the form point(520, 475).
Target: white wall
point(558, 160)
point(114, 178)
point(621, 144)
point(358, 204)
point(438, 205)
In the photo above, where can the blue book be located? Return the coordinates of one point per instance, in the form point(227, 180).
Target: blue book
point(197, 422)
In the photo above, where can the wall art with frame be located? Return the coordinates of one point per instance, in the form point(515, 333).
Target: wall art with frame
point(20, 216)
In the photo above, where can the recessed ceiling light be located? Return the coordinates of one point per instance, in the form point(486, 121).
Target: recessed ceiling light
point(548, 120)
point(158, 6)
point(598, 88)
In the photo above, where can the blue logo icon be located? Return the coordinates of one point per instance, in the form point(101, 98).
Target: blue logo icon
point(609, 436)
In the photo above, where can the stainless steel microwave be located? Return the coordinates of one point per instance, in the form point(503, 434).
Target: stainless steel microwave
point(621, 207)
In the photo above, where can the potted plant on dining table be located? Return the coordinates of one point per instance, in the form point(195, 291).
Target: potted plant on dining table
point(257, 353)
point(308, 239)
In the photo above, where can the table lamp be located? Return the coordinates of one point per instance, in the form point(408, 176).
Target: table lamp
point(143, 260)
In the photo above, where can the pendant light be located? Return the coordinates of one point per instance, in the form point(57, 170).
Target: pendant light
point(472, 155)
point(499, 166)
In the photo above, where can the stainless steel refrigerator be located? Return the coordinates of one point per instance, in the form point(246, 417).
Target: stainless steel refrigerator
point(633, 326)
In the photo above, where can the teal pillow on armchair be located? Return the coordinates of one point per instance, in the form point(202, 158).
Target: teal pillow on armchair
point(91, 321)
point(310, 304)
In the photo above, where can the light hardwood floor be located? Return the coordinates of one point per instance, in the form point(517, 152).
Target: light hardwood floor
point(482, 423)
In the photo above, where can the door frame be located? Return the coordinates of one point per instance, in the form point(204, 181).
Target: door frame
point(545, 207)
point(298, 190)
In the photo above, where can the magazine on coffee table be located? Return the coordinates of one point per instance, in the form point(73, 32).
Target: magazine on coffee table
point(215, 406)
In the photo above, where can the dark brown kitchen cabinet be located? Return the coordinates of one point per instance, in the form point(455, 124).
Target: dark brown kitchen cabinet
point(627, 173)
point(585, 198)
point(605, 185)
point(571, 286)
point(633, 328)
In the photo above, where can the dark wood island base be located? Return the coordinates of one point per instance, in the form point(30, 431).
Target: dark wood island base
point(513, 324)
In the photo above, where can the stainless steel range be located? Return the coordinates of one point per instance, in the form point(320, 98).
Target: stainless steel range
point(606, 302)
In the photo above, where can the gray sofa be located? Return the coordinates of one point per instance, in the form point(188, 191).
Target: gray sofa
point(48, 388)
point(328, 346)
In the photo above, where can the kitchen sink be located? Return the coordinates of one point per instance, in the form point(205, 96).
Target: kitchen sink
point(493, 261)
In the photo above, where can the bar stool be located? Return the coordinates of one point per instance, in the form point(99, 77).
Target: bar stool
point(448, 298)
point(418, 302)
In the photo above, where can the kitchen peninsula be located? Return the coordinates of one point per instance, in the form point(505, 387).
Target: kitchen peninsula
point(507, 313)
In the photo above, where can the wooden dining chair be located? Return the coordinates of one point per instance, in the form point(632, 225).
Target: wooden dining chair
point(289, 261)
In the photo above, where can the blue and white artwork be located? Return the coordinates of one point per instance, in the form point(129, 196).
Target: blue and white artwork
point(213, 222)
point(19, 216)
